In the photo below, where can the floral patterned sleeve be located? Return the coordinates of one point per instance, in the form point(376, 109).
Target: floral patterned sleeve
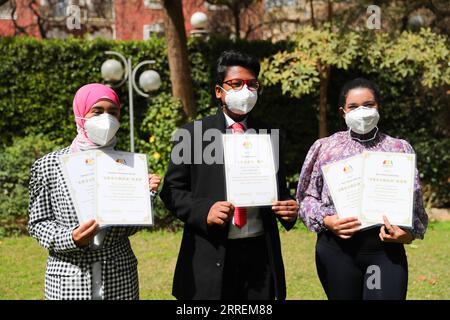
point(312, 208)
point(420, 217)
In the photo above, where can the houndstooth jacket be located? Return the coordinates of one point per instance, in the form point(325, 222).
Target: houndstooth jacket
point(52, 218)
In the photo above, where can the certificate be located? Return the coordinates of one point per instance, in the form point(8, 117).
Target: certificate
point(79, 172)
point(108, 186)
point(250, 172)
point(373, 184)
point(344, 180)
point(388, 187)
point(122, 189)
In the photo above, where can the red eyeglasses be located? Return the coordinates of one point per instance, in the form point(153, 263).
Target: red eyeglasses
point(238, 84)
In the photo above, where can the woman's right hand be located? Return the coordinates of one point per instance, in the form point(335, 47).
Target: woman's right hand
point(343, 228)
point(84, 233)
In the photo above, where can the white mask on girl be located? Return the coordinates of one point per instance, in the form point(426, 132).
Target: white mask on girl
point(101, 129)
point(362, 120)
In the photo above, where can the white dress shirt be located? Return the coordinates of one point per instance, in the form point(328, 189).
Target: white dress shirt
point(254, 226)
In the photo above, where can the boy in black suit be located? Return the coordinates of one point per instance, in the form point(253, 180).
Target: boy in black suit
point(226, 252)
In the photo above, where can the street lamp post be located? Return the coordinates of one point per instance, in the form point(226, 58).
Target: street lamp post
point(149, 80)
point(199, 23)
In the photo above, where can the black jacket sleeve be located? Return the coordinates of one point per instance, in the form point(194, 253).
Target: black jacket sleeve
point(178, 198)
point(282, 185)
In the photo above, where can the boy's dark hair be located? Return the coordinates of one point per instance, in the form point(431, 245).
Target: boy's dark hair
point(359, 83)
point(235, 58)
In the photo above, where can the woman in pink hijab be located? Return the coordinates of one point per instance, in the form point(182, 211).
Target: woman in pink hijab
point(83, 262)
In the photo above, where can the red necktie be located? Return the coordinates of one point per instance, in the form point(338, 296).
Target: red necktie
point(237, 127)
point(240, 214)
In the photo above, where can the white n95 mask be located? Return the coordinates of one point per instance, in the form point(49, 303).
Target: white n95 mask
point(240, 101)
point(101, 129)
point(362, 120)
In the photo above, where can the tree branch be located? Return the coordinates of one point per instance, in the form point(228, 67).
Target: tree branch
point(40, 21)
point(17, 28)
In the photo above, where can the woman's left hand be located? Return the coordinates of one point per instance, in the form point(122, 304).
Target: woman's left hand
point(154, 181)
point(396, 234)
point(287, 210)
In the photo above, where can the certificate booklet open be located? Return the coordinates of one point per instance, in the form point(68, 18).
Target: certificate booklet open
point(373, 184)
point(109, 186)
point(249, 170)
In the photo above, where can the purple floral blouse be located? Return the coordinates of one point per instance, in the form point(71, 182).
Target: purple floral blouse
point(313, 194)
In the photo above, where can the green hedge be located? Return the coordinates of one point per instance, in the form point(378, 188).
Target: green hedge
point(38, 80)
point(15, 162)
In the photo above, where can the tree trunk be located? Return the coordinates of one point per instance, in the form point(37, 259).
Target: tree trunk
point(330, 13)
point(237, 20)
point(180, 75)
point(313, 19)
point(324, 75)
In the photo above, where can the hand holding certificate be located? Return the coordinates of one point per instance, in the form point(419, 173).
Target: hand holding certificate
point(109, 186)
point(373, 184)
point(249, 170)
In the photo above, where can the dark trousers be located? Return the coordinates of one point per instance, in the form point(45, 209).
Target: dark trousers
point(361, 268)
point(247, 274)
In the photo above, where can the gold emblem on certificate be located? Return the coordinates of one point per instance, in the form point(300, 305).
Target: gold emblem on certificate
point(250, 171)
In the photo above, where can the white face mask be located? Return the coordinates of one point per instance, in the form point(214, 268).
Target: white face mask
point(101, 129)
point(240, 101)
point(362, 120)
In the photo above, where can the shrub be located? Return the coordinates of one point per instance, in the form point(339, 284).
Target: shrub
point(15, 163)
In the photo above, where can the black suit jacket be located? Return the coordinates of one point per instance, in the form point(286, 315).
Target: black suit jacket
point(189, 191)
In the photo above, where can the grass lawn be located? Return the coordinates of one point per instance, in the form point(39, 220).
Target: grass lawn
point(22, 265)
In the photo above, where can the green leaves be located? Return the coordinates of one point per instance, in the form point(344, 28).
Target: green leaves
point(296, 69)
point(423, 55)
point(163, 117)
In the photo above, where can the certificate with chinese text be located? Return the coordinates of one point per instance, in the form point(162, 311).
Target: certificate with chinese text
point(122, 196)
point(250, 172)
point(373, 184)
point(109, 186)
point(388, 188)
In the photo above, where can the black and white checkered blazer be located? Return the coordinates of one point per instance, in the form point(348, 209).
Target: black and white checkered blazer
point(52, 218)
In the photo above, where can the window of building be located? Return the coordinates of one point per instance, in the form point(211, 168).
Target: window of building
point(153, 4)
point(151, 29)
point(269, 4)
point(215, 7)
point(99, 9)
point(6, 11)
point(60, 8)
point(89, 9)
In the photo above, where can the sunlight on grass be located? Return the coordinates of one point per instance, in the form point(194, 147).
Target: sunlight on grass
point(22, 265)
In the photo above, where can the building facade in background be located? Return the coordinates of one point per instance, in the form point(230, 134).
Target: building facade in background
point(139, 19)
point(255, 19)
point(117, 19)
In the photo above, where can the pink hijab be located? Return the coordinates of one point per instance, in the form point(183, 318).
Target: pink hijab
point(84, 99)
